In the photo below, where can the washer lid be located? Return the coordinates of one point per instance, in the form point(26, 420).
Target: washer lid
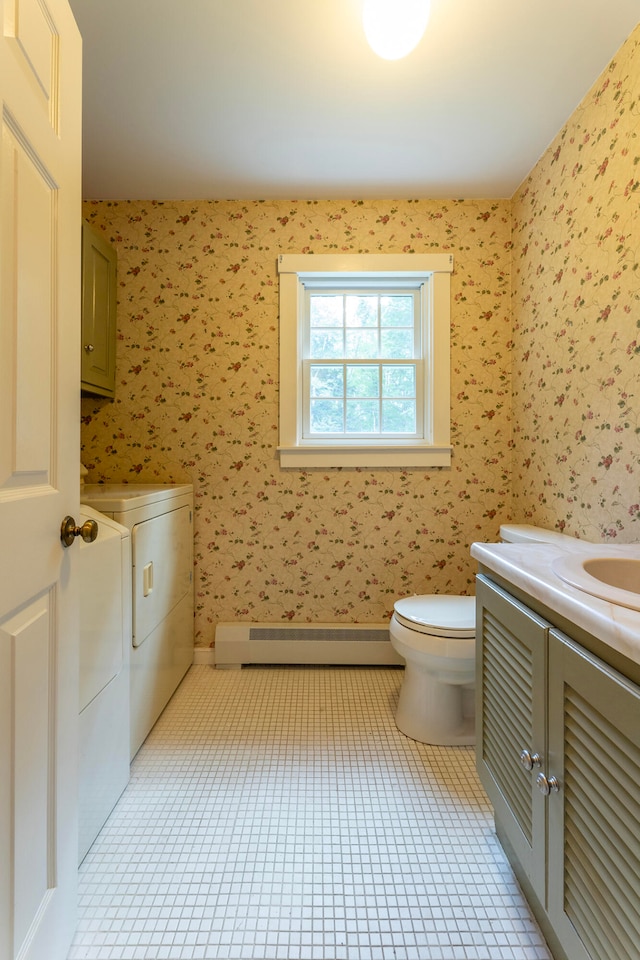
point(120, 497)
point(106, 526)
point(438, 613)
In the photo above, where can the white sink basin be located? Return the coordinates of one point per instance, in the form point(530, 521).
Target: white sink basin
point(620, 572)
point(614, 578)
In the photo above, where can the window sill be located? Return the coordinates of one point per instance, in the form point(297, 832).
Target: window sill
point(365, 456)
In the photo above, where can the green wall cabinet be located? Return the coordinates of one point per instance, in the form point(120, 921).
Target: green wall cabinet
point(98, 363)
point(558, 752)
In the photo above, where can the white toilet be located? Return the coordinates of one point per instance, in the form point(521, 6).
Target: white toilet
point(435, 634)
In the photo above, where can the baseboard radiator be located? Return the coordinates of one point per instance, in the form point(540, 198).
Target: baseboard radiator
point(328, 643)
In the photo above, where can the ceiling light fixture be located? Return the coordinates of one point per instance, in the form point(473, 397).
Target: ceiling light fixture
point(393, 28)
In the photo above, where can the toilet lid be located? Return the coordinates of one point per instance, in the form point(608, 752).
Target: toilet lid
point(440, 614)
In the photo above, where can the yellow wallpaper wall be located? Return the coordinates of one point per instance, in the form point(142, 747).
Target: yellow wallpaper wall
point(576, 312)
point(197, 400)
point(197, 377)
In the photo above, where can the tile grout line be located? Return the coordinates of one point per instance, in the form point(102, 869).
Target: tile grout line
point(278, 814)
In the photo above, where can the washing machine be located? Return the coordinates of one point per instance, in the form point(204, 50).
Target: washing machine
point(160, 520)
point(105, 643)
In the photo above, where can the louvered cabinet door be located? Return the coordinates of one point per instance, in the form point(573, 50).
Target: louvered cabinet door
point(511, 718)
point(594, 818)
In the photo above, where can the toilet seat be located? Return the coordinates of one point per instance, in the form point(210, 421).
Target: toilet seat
point(438, 615)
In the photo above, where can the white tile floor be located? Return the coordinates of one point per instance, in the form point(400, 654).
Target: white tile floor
point(278, 814)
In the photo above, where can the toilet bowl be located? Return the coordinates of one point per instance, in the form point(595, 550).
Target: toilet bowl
point(435, 634)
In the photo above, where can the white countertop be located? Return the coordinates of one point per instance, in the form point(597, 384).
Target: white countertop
point(528, 566)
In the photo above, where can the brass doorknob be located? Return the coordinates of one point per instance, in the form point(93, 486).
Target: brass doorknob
point(69, 531)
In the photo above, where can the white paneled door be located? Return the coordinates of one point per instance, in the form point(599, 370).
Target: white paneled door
point(40, 217)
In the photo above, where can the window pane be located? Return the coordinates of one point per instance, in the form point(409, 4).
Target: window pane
point(363, 381)
point(326, 416)
point(398, 416)
point(362, 344)
point(362, 311)
point(325, 311)
point(398, 381)
point(363, 416)
point(396, 343)
point(326, 344)
point(327, 381)
point(396, 311)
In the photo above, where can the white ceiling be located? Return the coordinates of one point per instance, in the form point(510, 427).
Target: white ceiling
point(264, 99)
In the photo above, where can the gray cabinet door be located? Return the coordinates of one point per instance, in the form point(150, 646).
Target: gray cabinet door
point(594, 819)
point(511, 718)
point(98, 314)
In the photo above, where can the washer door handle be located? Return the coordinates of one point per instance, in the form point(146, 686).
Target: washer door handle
point(147, 579)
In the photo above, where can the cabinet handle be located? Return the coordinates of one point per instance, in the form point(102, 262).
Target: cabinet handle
point(547, 786)
point(530, 760)
point(89, 347)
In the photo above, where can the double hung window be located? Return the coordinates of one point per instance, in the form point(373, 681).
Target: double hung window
point(364, 360)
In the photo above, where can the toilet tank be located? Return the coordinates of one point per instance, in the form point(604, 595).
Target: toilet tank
point(526, 533)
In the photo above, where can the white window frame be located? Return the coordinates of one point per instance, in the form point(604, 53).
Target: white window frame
point(430, 271)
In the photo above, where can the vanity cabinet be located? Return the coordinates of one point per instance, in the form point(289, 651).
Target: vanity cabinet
point(558, 752)
point(98, 362)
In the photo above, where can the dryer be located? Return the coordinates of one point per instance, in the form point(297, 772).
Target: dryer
point(160, 520)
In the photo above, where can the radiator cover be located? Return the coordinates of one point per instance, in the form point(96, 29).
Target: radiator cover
point(328, 643)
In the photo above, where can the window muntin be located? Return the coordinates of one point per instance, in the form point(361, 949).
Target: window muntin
point(362, 362)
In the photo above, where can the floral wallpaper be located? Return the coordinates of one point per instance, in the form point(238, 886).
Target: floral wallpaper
point(576, 313)
point(545, 378)
point(197, 401)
